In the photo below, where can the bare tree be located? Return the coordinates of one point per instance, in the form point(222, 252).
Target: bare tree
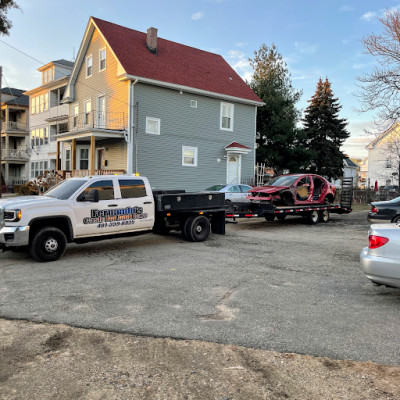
point(380, 89)
point(5, 23)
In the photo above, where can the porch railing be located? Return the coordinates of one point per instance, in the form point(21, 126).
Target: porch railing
point(98, 120)
point(11, 126)
point(78, 173)
point(14, 154)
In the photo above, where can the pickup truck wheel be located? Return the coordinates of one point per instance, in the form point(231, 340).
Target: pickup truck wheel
point(197, 228)
point(48, 244)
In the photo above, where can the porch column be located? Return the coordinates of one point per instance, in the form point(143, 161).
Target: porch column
point(58, 161)
point(92, 154)
point(7, 145)
point(73, 154)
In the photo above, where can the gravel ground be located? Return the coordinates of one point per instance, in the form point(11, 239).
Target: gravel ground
point(44, 361)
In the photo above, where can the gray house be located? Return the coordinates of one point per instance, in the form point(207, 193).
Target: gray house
point(141, 104)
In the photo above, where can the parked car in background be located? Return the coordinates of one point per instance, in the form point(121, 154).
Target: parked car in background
point(296, 189)
point(380, 261)
point(232, 192)
point(385, 211)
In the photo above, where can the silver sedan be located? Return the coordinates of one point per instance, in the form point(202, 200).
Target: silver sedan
point(380, 261)
point(232, 192)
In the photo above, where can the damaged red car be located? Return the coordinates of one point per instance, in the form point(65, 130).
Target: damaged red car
point(296, 189)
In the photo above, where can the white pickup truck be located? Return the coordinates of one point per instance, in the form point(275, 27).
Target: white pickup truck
point(99, 207)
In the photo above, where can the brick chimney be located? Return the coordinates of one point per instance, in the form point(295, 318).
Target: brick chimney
point(151, 42)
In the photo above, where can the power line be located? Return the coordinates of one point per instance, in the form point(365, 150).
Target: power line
point(65, 75)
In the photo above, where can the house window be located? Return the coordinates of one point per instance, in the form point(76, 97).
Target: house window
point(153, 125)
point(38, 168)
point(189, 156)
point(47, 75)
point(75, 116)
point(68, 160)
point(193, 103)
point(84, 159)
point(226, 118)
point(40, 103)
point(102, 59)
point(88, 111)
point(89, 66)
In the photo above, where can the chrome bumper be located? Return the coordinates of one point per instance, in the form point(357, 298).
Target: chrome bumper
point(13, 236)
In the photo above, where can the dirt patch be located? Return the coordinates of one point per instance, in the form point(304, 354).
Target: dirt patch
point(43, 361)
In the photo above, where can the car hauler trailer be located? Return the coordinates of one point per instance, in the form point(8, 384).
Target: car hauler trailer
point(313, 213)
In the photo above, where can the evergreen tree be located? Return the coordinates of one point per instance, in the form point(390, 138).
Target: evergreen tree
point(324, 132)
point(278, 137)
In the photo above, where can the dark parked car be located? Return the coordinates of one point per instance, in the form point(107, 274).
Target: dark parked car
point(385, 211)
point(296, 189)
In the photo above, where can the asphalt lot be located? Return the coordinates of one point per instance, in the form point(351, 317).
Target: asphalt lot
point(286, 287)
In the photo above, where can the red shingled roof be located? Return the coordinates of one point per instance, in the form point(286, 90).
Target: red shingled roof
point(174, 63)
point(236, 144)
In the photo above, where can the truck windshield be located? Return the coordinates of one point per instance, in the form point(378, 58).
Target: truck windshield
point(65, 189)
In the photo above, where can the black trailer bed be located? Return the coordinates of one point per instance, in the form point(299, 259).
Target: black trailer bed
point(175, 200)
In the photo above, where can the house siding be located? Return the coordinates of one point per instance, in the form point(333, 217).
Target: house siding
point(160, 156)
point(101, 82)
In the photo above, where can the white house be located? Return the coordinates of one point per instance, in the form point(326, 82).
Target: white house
point(48, 116)
point(383, 157)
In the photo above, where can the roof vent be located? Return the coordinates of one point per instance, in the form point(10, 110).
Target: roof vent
point(151, 42)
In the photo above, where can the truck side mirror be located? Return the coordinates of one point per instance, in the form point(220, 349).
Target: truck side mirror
point(93, 195)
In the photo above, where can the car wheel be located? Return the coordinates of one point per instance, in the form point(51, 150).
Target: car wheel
point(197, 228)
point(48, 244)
point(269, 217)
point(396, 219)
point(324, 216)
point(281, 217)
point(313, 217)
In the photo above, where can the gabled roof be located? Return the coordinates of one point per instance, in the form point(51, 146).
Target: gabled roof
point(238, 145)
point(349, 163)
point(393, 128)
point(173, 65)
point(19, 98)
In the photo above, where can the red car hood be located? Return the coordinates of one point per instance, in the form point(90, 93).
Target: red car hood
point(268, 189)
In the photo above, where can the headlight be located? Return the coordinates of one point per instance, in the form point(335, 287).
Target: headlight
point(12, 215)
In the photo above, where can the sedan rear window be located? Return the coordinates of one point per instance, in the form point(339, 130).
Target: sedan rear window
point(215, 188)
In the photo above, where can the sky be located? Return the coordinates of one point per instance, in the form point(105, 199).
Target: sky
point(316, 38)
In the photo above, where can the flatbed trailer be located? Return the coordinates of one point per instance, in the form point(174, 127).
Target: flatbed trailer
point(313, 213)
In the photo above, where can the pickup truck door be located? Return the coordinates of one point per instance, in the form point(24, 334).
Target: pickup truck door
point(137, 203)
point(97, 218)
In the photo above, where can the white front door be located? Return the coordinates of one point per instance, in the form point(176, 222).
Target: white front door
point(233, 168)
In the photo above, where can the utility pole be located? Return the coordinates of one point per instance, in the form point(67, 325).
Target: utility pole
point(1, 175)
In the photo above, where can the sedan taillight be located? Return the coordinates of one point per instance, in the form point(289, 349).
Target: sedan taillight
point(376, 241)
point(374, 209)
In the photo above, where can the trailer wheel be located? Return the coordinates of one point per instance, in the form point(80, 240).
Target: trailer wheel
point(48, 244)
point(269, 217)
point(197, 228)
point(324, 216)
point(313, 217)
point(281, 217)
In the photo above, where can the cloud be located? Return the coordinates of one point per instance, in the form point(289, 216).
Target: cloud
point(305, 48)
point(346, 8)
point(239, 62)
point(368, 16)
point(198, 15)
